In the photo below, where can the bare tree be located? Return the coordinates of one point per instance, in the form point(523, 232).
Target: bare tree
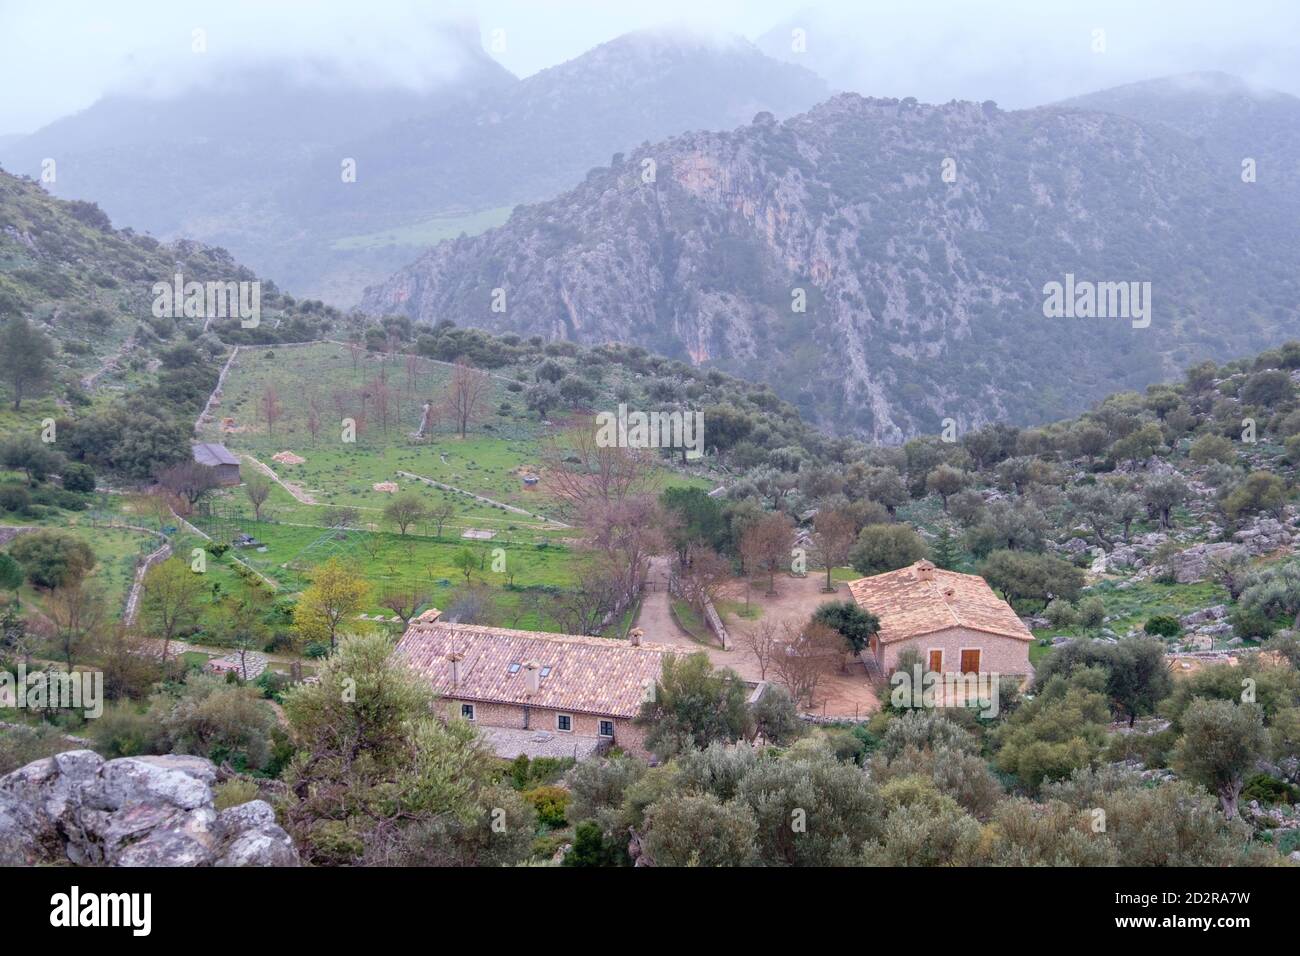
point(313, 416)
point(382, 397)
point(702, 575)
point(625, 533)
point(472, 604)
point(271, 408)
point(766, 545)
point(582, 610)
point(834, 534)
point(467, 391)
point(805, 654)
point(406, 601)
point(761, 642)
point(258, 488)
point(340, 516)
point(440, 514)
point(189, 481)
point(581, 471)
point(78, 614)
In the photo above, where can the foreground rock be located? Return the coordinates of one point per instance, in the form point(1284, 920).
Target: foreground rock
point(137, 811)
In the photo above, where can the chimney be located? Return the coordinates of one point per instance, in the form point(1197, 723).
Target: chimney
point(455, 660)
point(635, 636)
point(531, 678)
point(924, 570)
point(428, 617)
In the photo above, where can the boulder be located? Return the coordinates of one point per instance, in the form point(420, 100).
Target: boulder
point(1263, 537)
point(1193, 564)
point(1204, 616)
point(77, 808)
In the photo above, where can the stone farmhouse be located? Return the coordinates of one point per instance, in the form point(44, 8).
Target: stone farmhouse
point(953, 620)
point(533, 693)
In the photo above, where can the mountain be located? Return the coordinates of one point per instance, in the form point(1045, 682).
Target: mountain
point(1227, 117)
point(89, 287)
point(254, 164)
point(925, 299)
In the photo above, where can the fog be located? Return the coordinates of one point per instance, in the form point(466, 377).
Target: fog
point(64, 54)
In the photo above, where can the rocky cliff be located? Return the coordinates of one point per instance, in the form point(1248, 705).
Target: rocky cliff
point(882, 263)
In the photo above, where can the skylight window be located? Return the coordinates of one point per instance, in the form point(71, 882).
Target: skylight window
point(546, 672)
point(514, 668)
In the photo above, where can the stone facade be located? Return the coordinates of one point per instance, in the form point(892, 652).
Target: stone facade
point(627, 734)
point(999, 654)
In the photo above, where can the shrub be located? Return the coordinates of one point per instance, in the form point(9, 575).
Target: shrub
point(78, 477)
point(52, 558)
point(14, 498)
point(1061, 613)
point(1162, 625)
point(1092, 612)
point(550, 802)
point(233, 792)
point(1268, 789)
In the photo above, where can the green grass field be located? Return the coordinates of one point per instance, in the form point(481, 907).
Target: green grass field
point(428, 232)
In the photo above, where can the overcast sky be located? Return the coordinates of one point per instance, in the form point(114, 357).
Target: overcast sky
point(58, 56)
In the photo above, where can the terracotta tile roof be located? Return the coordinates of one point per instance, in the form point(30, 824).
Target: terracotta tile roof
point(590, 675)
point(909, 605)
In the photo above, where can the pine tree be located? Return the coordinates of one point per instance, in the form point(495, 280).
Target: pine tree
point(945, 552)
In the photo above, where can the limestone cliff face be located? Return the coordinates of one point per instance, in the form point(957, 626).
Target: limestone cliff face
point(881, 262)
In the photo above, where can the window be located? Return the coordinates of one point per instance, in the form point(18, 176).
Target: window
point(467, 711)
point(970, 660)
point(514, 668)
point(607, 728)
point(545, 672)
point(563, 723)
point(936, 660)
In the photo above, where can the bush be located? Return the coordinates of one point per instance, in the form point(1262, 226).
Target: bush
point(1061, 613)
point(124, 731)
point(14, 498)
point(550, 803)
point(1268, 789)
point(1092, 612)
point(78, 477)
point(1162, 625)
point(233, 792)
point(52, 558)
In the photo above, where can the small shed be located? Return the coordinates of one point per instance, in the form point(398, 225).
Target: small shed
point(219, 459)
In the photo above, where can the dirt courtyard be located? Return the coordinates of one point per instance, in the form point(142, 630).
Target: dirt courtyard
point(846, 694)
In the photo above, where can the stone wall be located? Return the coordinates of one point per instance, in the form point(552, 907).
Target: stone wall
point(627, 734)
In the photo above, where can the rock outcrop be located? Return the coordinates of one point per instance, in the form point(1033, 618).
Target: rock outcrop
point(76, 807)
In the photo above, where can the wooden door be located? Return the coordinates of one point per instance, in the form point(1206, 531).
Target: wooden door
point(970, 661)
point(936, 662)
